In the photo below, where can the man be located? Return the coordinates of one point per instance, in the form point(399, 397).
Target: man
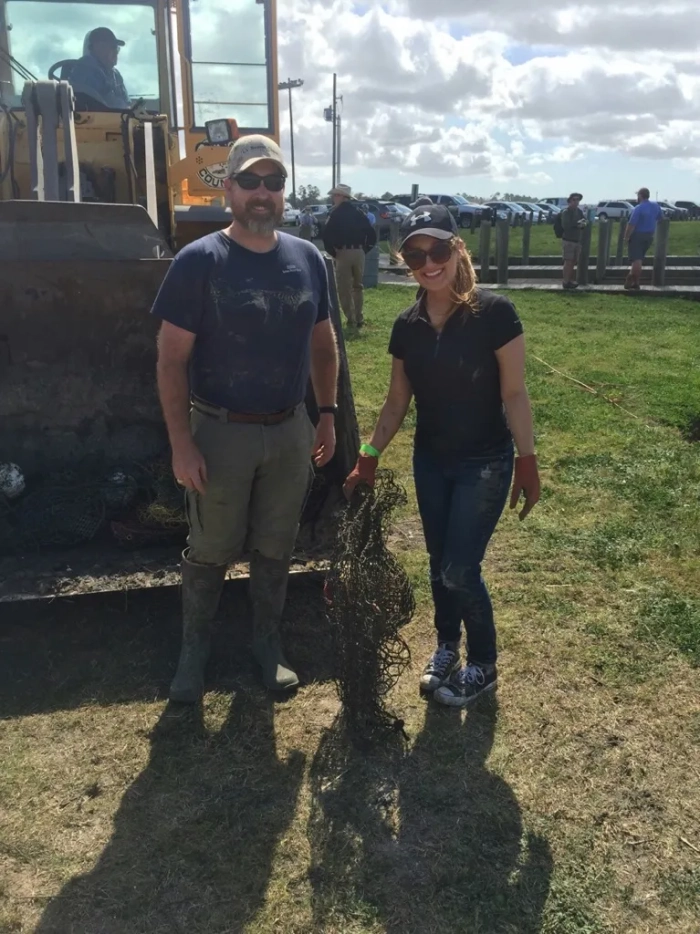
point(306, 224)
point(347, 236)
point(244, 323)
point(95, 74)
point(639, 236)
point(569, 224)
point(369, 214)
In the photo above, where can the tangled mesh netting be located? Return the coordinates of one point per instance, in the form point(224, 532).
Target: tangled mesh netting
point(134, 504)
point(369, 598)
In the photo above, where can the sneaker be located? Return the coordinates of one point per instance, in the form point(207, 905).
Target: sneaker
point(443, 662)
point(466, 685)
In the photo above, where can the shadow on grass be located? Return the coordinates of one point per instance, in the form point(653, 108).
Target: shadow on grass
point(427, 842)
point(195, 835)
point(121, 648)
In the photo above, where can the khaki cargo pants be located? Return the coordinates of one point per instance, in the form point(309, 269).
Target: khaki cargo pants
point(349, 273)
point(258, 480)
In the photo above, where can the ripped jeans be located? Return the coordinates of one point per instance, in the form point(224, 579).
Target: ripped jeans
point(460, 506)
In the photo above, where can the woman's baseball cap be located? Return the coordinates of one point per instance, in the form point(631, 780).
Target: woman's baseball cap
point(434, 220)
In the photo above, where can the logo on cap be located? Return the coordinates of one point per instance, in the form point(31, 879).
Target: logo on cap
point(425, 216)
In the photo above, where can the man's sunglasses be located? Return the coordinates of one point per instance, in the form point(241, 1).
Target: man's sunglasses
point(440, 254)
point(249, 181)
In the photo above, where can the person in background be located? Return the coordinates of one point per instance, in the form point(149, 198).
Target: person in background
point(96, 75)
point(306, 224)
point(460, 352)
point(369, 214)
point(639, 236)
point(348, 236)
point(571, 222)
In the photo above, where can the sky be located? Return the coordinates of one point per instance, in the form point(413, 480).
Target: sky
point(596, 96)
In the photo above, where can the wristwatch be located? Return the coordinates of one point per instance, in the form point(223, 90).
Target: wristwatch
point(328, 410)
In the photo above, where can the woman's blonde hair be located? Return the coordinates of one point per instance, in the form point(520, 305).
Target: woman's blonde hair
point(464, 288)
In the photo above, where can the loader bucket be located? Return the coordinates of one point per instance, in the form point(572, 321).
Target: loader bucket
point(78, 405)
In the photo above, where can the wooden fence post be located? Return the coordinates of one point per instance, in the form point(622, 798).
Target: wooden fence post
point(393, 242)
point(584, 254)
point(526, 241)
point(502, 242)
point(604, 232)
point(660, 251)
point(620, 252)
point(485, 252)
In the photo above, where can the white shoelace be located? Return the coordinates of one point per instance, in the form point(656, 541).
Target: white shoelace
point(441, 659)
point(473, 674)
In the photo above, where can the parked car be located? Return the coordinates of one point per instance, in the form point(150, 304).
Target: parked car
point(291, 216)
point(692, 207)
point(674, 211)
point(560, 203)
point(613, 210)
point(462, 209)
point(385, 212)
point(506, 210)
point(551, 209)
point(533, 209)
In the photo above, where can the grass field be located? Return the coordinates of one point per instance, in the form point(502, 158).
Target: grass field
point(569, 805)
point(684, 240)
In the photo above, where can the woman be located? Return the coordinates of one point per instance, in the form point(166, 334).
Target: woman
point(459, 350)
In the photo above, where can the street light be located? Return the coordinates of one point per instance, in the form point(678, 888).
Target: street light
point(288, 85)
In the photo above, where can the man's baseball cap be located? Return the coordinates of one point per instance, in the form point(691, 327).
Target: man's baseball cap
point(248, 150)
point(433, 220)
point(103, 34)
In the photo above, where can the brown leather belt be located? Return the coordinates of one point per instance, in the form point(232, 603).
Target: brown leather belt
point(243, 418)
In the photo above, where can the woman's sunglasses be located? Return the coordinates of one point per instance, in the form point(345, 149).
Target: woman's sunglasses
point(439, 254)
point(249, 181)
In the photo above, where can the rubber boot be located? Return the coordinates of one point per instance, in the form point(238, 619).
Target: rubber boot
point(201, 589)
point(268, 591)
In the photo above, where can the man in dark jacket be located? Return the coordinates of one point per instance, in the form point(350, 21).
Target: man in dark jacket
point(572, 221)
point(348, 236)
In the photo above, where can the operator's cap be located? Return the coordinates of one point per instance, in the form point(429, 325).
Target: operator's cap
point(433, 220)
point(103, 34)
point(248, 150)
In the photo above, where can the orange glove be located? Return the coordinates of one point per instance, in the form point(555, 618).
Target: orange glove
point(364, 472)
point(527, 482)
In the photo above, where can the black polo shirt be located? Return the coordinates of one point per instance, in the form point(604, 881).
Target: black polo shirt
point(454, 375)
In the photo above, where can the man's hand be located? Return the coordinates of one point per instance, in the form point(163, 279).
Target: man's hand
point(526, 481)
point(189, 467)
point(364, 471)
point(324, 443)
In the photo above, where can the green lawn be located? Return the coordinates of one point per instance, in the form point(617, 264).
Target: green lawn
point(684, 240)
point(569, 805)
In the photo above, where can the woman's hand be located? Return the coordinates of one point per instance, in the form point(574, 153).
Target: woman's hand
point(364, 472)
point(527, 482)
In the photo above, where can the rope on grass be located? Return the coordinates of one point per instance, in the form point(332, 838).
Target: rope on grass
point(585, 386)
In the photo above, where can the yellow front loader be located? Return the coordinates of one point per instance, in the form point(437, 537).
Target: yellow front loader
point(94, 202)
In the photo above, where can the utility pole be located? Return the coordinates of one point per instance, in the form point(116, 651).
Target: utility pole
point(331, 115)
point(339, 125)
point(335, 126)
point(288, 85)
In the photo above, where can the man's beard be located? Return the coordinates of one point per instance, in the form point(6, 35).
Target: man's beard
point(259, 224)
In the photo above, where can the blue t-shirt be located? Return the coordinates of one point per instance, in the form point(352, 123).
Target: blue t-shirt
point(253, 314)
point(645, 216)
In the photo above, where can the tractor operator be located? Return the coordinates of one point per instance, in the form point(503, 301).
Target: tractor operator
point(245, 322)
point(96, 75)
